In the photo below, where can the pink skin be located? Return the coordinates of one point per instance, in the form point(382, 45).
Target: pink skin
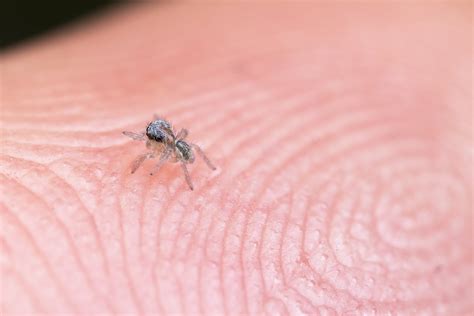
point(342, 136)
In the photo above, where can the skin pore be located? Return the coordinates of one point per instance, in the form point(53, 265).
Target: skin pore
point(342, 137)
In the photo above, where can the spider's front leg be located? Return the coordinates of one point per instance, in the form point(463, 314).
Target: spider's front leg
point(134, 136)
point(139, 160)
point(163, 158)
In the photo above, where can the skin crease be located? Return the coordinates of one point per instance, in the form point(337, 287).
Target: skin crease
point(342, 136)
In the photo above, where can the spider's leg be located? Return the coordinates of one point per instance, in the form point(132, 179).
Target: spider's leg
point(139, 160)
point(183, 133)
point(134, 136)
point(186, 175)
point(163, 158)
point(203, 156)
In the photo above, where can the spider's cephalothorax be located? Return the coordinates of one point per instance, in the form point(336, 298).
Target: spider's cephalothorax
point(159, 130)
point(163, 142)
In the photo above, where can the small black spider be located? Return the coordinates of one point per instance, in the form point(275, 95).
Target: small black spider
point(162, 141)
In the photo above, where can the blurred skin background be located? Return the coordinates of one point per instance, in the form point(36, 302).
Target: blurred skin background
point(342, 133)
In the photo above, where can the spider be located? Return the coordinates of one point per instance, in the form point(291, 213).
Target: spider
point(163, 142)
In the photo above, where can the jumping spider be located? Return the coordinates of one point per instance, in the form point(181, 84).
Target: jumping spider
point(163, 142)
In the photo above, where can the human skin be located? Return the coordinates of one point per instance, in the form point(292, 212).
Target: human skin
point(342, 136)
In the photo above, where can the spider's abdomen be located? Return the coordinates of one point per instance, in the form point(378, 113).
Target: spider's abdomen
point(185, 150)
